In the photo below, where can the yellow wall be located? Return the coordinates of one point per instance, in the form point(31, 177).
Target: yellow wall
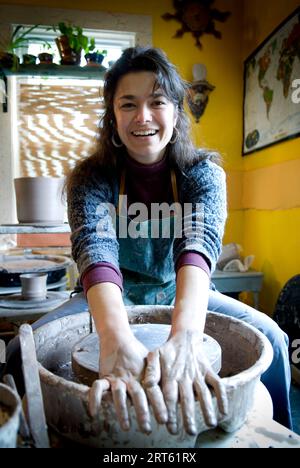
point(271, 191)
point(263, 210)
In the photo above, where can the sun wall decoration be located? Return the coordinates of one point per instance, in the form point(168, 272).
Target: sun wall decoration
point(197, 17)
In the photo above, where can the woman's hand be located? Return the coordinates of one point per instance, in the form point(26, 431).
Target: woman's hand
point(183, 369)
point(122, 368)
point(122, 357)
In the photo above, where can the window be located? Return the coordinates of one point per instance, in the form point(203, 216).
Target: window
point(57, 124)
point(113, 41)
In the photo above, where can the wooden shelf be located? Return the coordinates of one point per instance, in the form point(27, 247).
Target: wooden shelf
point(34, 229)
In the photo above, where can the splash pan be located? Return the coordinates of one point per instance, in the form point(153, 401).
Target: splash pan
point(246, 354)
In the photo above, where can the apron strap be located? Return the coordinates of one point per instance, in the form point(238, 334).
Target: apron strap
point(121, 191)
point(122, 188)
point(174, 186)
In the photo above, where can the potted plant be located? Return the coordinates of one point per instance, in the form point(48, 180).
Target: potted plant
point(95, 57)
point(71, 43)
point(20, 38)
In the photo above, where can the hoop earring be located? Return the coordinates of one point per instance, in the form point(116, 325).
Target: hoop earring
point(175, 138)
point(117, 145)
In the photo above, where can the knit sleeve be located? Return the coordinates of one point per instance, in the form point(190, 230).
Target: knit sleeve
point(91, 215)
point(202, 193)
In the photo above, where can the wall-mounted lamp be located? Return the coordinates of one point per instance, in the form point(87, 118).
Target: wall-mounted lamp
point(198, 91)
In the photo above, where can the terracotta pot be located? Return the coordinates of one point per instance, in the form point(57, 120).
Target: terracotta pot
point(45, 58)
point(68, 55)
point(39, 200)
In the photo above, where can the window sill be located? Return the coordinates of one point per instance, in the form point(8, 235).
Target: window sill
point(59, 71)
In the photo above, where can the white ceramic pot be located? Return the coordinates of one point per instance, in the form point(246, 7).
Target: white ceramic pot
point(39, 199)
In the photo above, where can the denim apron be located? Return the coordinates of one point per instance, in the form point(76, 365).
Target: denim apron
point(147, 263)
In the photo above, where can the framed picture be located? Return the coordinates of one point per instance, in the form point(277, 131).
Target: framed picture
point(272, 88)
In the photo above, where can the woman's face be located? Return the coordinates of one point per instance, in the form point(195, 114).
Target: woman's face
point(145, 117)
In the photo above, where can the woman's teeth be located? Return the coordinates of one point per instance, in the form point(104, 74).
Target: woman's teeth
point(145, 133)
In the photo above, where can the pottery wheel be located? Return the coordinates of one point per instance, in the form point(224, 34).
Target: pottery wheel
point(85, 354)
point(32, 263)
point(16, 301)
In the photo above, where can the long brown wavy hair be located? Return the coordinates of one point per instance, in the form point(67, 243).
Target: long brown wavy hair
point(136, 59)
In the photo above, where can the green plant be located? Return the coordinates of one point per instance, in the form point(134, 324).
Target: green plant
point(21, 38)
point(101, 52)
point(77, 40)
point(96, 52)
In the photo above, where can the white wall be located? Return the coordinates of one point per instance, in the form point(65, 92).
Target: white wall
point(7, 200)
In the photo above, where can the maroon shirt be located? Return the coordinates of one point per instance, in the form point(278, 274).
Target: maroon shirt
point(145, 184)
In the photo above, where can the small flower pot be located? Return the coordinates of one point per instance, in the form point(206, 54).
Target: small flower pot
point(94, 59)
point(29, 59)
point(45, 58)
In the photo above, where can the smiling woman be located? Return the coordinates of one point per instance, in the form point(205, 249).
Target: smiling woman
point(145, 151)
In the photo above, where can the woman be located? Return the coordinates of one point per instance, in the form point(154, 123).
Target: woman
point(127, 253)
point(145, 157)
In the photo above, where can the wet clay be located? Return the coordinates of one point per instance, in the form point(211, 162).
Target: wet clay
point(85, 354)
point(4, 415)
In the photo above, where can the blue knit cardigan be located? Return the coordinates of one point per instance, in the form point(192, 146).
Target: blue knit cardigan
point(203, 185)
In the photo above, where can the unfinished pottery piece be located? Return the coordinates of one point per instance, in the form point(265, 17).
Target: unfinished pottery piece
point(39, 200)
point(246, 354)
point(34, 286)
point(10, 408)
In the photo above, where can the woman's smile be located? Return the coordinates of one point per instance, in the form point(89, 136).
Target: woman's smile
point(144, 133)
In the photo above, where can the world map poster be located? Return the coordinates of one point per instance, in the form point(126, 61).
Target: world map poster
point(272, 88)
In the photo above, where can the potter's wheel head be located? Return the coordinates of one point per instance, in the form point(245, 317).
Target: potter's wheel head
point(85, 354)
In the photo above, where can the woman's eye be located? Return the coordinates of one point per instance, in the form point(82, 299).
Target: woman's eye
point(127, 105)
point(159, 103)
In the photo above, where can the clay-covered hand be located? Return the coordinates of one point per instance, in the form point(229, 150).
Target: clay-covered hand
point(121, 371)
point(182, 368)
